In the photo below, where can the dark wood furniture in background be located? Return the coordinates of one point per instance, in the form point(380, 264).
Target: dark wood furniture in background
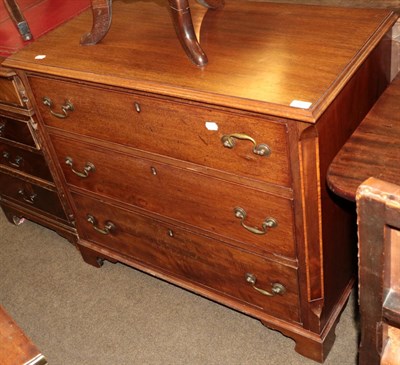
point(213, 178)
point(373, 151)
point(378, 208)
point(27, 188)
point(15, 347)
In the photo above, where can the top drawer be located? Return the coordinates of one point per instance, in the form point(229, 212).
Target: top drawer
point(9, 93)
point(234, 143)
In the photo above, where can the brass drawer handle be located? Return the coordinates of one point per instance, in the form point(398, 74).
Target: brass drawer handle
point(277, 289)
point(67, 107)
point(18, 160)
point(268, 222)
point(228, 140)
point(2, 128)
point(88, 168)
point(27, 198)
point(108, 227)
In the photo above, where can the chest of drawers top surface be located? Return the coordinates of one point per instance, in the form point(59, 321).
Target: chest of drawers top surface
point(262, 56)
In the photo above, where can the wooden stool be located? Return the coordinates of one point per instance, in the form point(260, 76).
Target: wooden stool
point(181, 19)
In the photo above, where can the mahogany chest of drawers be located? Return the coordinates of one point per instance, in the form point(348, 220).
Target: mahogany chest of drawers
point(214, 178)
point(27, 189)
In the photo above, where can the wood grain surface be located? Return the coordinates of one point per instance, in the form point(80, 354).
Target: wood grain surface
point(282, 44)
point(373, 150)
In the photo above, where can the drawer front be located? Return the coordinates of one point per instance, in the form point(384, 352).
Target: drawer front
point(9, 92)
point(210, 263)
point(24, 161)
point(194, 134)
point(195, 199)
point(31, 195)
point(16, 131)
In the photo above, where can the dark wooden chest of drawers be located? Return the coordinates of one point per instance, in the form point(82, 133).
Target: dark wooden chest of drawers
point(27, 189)
point(214, 178)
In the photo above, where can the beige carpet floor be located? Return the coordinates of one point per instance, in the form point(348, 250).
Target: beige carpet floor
point(77, 314)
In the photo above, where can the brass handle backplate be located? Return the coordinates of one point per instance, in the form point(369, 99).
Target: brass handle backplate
point(17, 162)
point(108, 226)
point(229, 141)
point(67, 107)
point(29, 198)
point(267, 224)
point(277, 288)
point(89, 167)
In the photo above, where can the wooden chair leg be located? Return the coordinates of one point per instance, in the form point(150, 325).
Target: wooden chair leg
point(102, 14)
point(181, 19)
point(212, 4)
point(18, 18)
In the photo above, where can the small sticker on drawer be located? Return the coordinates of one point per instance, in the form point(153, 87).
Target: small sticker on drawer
point(300, 104)
point(40, 57)
point(211, 126)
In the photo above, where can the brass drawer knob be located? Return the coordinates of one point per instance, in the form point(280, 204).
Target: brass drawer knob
point(108, 227)
point(267, 224)
point(277, 288)
point(67, 107)
point(89, 167)
point(229, 141)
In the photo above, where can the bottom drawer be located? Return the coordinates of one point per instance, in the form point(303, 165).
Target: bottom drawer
point(196, 258)
point(31, 195)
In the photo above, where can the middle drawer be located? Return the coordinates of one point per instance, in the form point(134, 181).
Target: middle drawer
point(24, 161)
point(236, 212)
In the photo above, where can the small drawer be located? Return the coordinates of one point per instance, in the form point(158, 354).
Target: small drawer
point(31, 195)
point(15, 130)
point(227, 141)
point(210, 263)
point(218, 206)
point(9, 93)
point(25, 161)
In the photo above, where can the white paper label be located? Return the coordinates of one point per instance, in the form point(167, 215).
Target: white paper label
point(212, 126)
point(40, 57)
point(300, 104)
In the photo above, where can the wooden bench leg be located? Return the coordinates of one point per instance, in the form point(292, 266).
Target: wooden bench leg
point(102, 14)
